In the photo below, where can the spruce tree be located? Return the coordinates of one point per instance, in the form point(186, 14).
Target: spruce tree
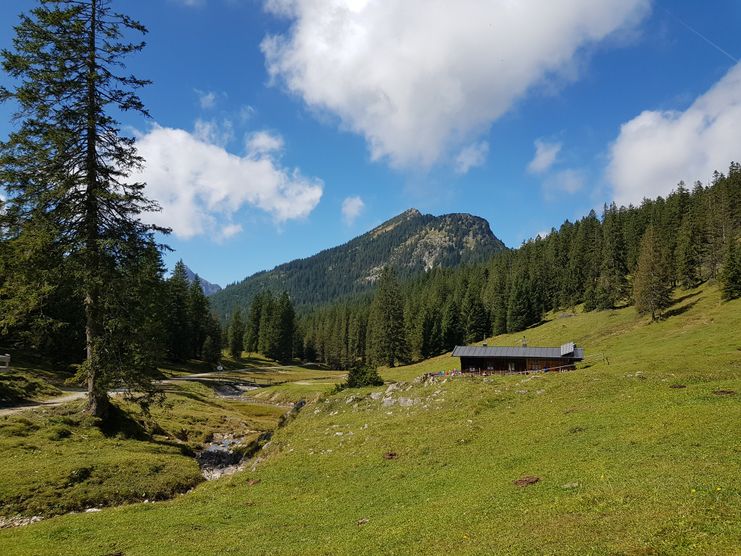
point(199, 314)
point(211, 349)
point(688, 253)
point(265, 328)
point(452, 331)
point(66, 168)
point(730, 277)
point(236, 334)
point(612, 284)
point(519, 313)
point(178, 323)
point(652, 288)
point(252, 331)
point(284, 323)
point(475, 321)
point(388, 339)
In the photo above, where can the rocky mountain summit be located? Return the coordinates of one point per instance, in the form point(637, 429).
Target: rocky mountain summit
point(411, 242)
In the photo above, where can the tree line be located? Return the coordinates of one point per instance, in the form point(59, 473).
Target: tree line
point(628, 255)
point(269, 328)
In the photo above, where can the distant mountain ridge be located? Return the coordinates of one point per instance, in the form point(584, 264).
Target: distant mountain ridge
point(411, 242)
point(208, 288)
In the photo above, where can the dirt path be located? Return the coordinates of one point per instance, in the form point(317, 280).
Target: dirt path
point(211, 378)
point(51, 402)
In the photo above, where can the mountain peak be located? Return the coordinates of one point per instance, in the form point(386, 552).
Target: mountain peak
point(208, 287)
point(411, 242)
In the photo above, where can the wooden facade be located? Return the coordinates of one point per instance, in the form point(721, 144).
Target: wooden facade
point(518, 359)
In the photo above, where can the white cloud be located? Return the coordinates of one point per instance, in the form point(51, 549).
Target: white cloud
point(231, 230)
point(264, 142)
point(569, 181)
point(214, 133)
point(207, 99)
point(420, 78)
point(657, 149)
point(351, 209)
point(471, 156)
point(545, 156)
point(201, 186)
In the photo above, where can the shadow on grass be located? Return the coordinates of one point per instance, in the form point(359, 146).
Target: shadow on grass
point(680, 310)
point(685, 298)
point(124, 424)
point(120, 422)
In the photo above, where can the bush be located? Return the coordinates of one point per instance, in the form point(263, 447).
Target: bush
point(363, 376)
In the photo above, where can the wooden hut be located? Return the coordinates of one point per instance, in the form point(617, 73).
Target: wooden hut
point(518, 359)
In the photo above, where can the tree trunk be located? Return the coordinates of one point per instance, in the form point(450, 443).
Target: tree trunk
point(97, 402)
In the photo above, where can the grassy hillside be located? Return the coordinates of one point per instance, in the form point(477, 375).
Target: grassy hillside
point(638, 456)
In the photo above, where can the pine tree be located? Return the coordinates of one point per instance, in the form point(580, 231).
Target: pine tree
point(730, 277)
point(236, 334)
point(67, 166)
point(652, 282)
point(388, 339)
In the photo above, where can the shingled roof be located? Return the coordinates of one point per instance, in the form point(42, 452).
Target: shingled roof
point(511, 352)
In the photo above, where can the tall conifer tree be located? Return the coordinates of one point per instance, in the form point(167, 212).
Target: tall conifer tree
point(652, 282)
point(388, 339)
point(199, 314)
point(236, 334)
point(66, 167)
point(178, 323)
point(730, 277)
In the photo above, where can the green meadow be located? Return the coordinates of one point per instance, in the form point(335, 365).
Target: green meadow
point(638, 451)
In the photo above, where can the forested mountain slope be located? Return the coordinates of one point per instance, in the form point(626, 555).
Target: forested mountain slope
point(411, 242)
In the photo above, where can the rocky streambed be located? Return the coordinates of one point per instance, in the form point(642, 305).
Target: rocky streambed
point(227, 453)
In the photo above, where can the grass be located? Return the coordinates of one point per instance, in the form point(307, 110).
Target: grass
point(55, 460)
point(638, 456)
point(30, 378)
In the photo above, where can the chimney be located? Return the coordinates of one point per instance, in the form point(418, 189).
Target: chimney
point(524, 342)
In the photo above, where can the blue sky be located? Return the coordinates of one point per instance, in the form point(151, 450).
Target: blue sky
point(269, 117)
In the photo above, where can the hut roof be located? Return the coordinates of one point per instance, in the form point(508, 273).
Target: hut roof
point(508, 352)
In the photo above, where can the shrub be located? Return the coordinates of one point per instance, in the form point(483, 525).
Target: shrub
point(363, 376)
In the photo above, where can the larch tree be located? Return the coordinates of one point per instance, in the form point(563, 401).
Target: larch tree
point(66, 169)
point(652, 288)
